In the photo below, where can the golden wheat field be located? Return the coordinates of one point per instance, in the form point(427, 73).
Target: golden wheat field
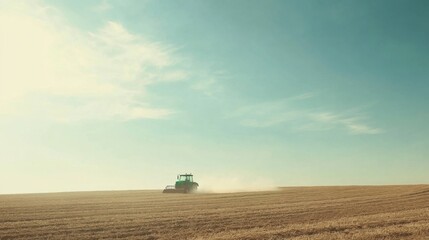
point(355, 212)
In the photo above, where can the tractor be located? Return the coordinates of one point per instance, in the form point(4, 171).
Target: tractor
point(184, 184)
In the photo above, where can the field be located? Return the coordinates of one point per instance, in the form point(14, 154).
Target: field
point(356, 212)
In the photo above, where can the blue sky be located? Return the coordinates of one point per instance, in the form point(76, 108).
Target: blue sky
point(101, 95)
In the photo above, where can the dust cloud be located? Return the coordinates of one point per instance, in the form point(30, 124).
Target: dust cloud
point(235, 184)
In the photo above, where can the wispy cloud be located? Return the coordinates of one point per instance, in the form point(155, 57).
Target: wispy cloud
point(103, 6)
point(284, 112)
point(50, 68)
point(353, 124)
point(208, 82)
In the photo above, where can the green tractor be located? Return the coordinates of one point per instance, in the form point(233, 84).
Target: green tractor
point(184, 184)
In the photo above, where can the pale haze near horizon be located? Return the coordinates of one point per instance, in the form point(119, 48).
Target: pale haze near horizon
point(109, 95)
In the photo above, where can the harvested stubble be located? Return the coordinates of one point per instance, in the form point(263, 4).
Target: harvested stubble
point(355, 212)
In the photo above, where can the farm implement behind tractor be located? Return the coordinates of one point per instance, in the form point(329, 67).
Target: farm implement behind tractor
point(184, 184)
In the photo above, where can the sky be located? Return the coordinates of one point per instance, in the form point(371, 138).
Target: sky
point(116, 95)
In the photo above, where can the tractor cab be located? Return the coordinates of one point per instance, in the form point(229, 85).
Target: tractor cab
point(185, 178)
